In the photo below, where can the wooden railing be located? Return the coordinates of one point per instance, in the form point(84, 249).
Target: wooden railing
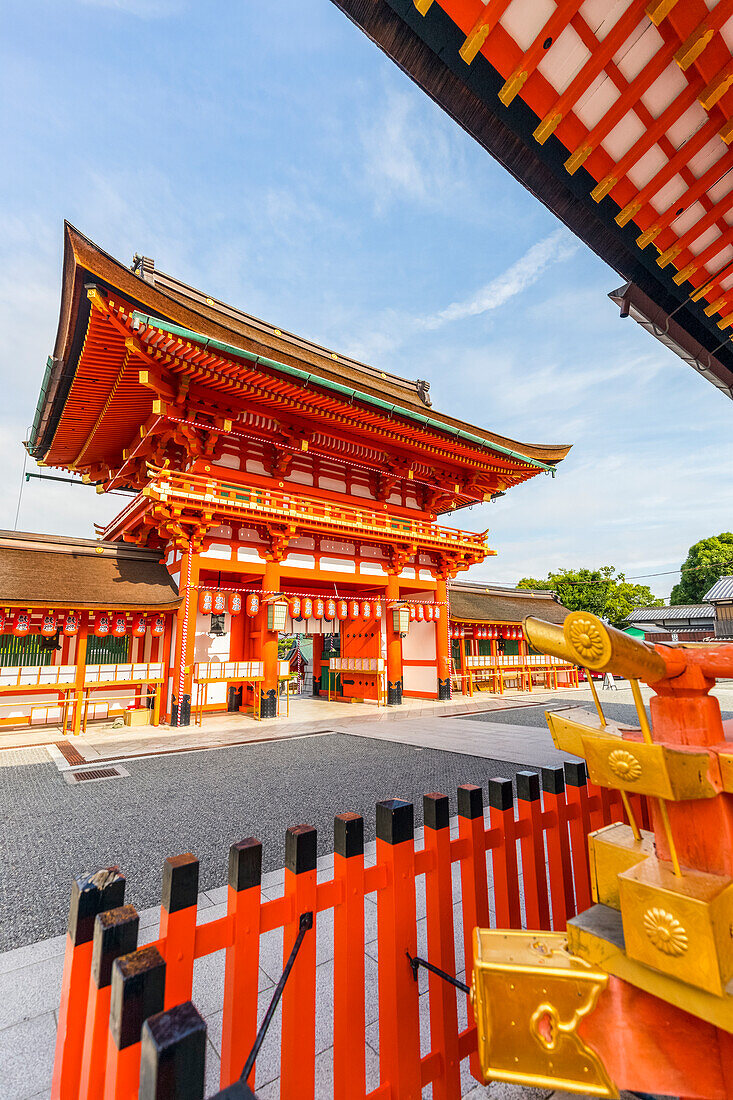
point(241, 501)
point(37, 676)
point(101, 1030)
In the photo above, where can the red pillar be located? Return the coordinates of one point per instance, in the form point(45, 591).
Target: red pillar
point(268, 643)
point(394, 645)
point(185, 639)
point(442, 640)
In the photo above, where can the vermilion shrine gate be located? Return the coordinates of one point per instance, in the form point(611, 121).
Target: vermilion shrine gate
point(286, 487)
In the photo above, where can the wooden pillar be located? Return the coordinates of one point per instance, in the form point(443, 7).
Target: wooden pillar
point(442, 640)
point(81, 663)
point(394, 645)
point(268, 643)
point(185, 639)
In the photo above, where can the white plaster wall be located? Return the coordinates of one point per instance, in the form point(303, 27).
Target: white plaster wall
point(419, 645)
point(419, 678)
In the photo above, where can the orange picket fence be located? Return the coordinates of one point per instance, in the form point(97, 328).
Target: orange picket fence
point(127, 1028)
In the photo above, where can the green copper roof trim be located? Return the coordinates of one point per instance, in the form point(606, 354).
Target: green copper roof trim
point(31, 444)
point(238, 353)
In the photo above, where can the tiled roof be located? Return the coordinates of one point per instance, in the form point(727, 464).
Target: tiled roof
point(721, 590)
point(491, 603)
point(695, 611)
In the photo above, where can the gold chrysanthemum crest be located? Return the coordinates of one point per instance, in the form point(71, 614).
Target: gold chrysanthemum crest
point(665, 932)
point(624, 765)
point(586, 639)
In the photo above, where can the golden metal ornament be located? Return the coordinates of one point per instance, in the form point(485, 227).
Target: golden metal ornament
point(600, 647)
point(611, 850)
point(529, 995)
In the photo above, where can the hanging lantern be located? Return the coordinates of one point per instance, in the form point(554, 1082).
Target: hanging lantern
point(330, 612)
point(48, 624)
point(354, 609)
point(307, 607)
point(102, 624)
point(220, 603)
point(21, 623)
point(206, 601)
point(3, 620)
point(277, 611)
point(366, 610)
point(420, 612)
point(429, 612)
point(235, 603)
point(157, 626)
point(378, 610)
point(463, 632)
point(436, 613)
point(401, 619)
point(139, 626)
point(413, 612)
point(342, 610)
point(72, 623)
point(119, 626)
point(295, 608)
point(319, 608)
point(252, 606)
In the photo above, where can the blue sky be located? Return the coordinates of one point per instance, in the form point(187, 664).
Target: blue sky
point(271, 155)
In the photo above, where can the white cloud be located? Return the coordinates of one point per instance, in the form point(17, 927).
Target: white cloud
point(523, 273)
point(143, 9)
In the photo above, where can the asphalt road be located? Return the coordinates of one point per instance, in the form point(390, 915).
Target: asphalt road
point(199, 802)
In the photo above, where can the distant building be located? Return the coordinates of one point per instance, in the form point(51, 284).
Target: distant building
point(721, 597)
point(684, 623)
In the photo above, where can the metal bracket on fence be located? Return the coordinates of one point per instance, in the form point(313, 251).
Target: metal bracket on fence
point(305, 925)
point(417, 962)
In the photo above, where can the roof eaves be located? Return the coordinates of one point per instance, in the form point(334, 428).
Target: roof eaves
point(142, 319)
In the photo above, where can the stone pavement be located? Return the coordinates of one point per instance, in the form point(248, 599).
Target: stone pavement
point(30, 982)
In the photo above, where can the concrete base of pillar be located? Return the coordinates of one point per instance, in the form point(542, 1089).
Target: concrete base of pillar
point(234, 699)
point(185, 712)
point(394, 694)
point(268, 704)
point(443, 689)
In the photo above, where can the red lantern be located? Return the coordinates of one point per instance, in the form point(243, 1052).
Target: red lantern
point(48, 625)
point(235, 603)
point(21, 623)
point(101, 624)
point(71, 625)
point(307, 607)
point(3, 619)
point(119, 626)
point(436, 612)
point(157, 627)
point(139, 626)
point(428, 609)
point(366, 610)
point(354, 609)
point(420, 613)
point(220, 603)
point(253, 604)
point(378, 610)
point(342, 610)
point(206, 602)
point(330, 612)
point(319, 608)
point(413, 613)
point(295, 607)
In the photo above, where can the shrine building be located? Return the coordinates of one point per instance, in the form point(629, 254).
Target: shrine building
point(276, 489)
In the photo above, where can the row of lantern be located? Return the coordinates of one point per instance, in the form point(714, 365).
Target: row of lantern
point(104, 623)
point(490, 632)
point(307, 607)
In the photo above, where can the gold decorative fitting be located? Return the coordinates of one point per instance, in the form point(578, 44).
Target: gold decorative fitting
point(665, 932)
point(334, 355)
point(209, 301)
point(579, 157)
point(277, 332)
point(423, 6)
point(513, 85)
point(603, 188)
point(586, 639)
point(547, 127)
point(628, 212)
point(624, 764)
point(657, 10)
point(684, 274)
point(726, 134)
point(691, 49)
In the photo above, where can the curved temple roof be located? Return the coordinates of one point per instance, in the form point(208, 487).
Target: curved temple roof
point(618, 116)
point(94, 396)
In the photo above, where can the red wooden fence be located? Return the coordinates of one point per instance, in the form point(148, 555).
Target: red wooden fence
point(110, 989)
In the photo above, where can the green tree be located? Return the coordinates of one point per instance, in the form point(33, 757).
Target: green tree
point(604, 592)
point(707, 561)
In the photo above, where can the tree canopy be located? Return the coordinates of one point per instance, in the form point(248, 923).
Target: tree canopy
point(707, 561)
point(604, 592)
